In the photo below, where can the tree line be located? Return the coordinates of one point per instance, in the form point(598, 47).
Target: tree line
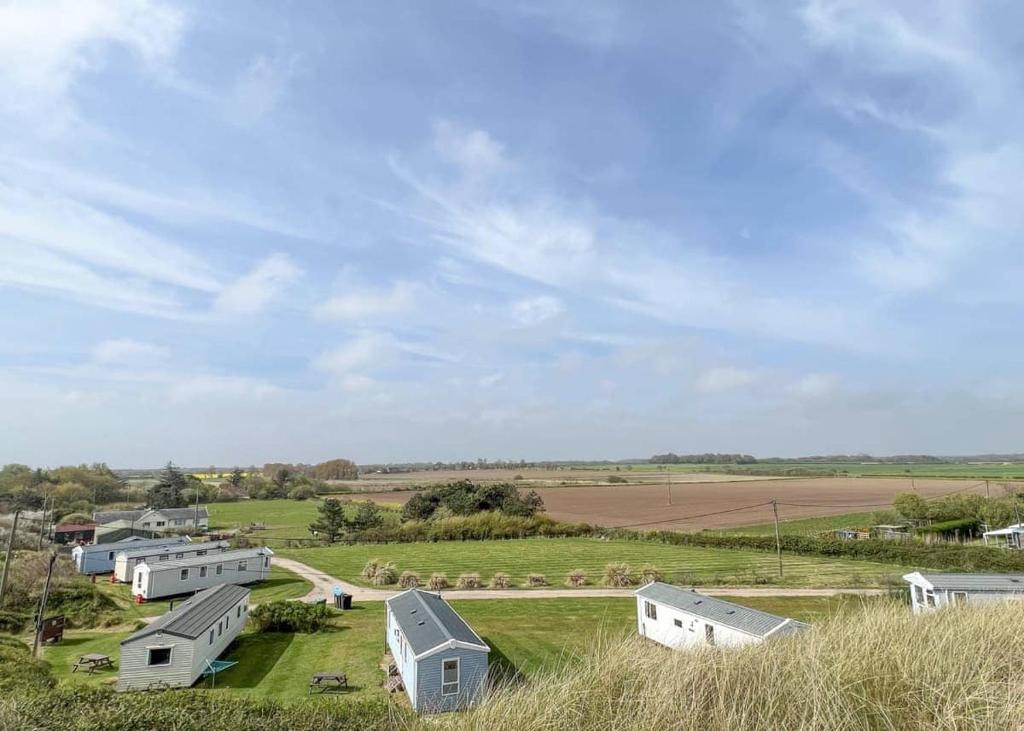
point(706, 458)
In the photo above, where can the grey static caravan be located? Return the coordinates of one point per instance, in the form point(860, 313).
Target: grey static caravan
point(171, 578)
point(934, 591)
point(175, 650)
point(129, 558)
point(99, 558)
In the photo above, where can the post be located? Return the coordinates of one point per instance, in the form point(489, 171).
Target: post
point(195, 520)
point(7, 559)
point(42, 526)
point(42, 604)
point(778, 541)
point(987, 495)
point(669, 487)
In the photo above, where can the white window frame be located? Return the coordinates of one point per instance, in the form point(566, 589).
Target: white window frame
point(211, 635)
point(202, 572)
point(458, 676)
point(243, 565)
point(183, 576)
point(650, 610)
point(220, 569)
point(110, 556)
point(149, 657)
point(179, 555)
point(958, 597)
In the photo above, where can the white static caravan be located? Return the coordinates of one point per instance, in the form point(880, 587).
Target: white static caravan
point(175, 650)
point(1012, 536)
point(171, 578)
point(677, 618)
point(128, 559)
point(934, 591)
point(99, 558)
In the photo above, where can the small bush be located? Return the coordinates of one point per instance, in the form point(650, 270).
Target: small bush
point(438, 581)
point(618, 575)
point(371, 568)
point(302, 492)
point(469, 581)
point(537, 580)
point(577, 578)
point(409, 580)
point(282, 616)
point(648, 573)
point(616, 480)
point(387, 574)
point(501, 580)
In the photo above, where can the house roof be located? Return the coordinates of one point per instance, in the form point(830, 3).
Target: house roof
point(111, 516)
point(429, 623)
point(129, 545)
point(744, 619)
point(181, 513)
point(1008, 530)
point(73, 527)
point(155, 547)
point(193, 617)
point(238, 555)
point(1011, 583)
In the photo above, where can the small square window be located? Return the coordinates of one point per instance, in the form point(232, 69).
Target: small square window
point(179, 555)
point(159, 656)
point(202, 572)
point(220, 629)
point(677, 622)
point(200, 553)
point(184, 574)
point(243, 565)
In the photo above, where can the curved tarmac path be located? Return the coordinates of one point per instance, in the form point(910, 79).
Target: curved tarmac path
point(323, 588)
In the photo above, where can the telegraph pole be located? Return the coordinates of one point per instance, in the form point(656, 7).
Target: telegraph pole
point(670, 486)
point(10, 552)
point(195, 520)
point(778, 541)
point(42, 604)
point(987, 495)
point(42, 526)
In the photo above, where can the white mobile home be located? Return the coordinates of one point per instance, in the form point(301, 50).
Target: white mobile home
point(678, 617)
point(161, 520)
point(170, 578)
point(127, 559)
point(442, 661)
point(933, 591)
point(173, 651)
point(1012, 536)
point(99, 558)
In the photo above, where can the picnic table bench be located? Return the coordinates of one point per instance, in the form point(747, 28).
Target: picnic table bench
point(92, 661)
point(324, 680)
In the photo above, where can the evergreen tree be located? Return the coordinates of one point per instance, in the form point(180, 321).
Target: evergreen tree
point(168, 492)
point(332, 522)
point(236, 477)
point(367, 516)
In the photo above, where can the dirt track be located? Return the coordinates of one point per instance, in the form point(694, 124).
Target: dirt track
point(647, 506)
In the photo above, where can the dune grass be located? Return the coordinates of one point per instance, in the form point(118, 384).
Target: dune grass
point(556, 557)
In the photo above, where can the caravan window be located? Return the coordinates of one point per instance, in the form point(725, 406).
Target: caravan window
point(184, 574)
point(450, 676)
point(959, 597)
point(220, 569)
point(159, 656)
point(650, 610)
point(266, 561)
point(110, 556)
point(211, 636)
point(238, 613)
point(163, 556)
point(243, 565)
point(202, 572)
point(179, 555)
point(677, 622)
point(200, 553)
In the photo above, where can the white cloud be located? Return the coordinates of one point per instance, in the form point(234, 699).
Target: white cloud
point(204, 388)
point(368, 303)
point(259, 89)
point(725, 378)
point(491, 379)
point(125, 352)
point(256, 290)
point(535, 310)
point(364, 351)
point(815, 386)
point(472, 150)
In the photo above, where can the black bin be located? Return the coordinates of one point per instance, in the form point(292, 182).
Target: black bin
point(343, 601)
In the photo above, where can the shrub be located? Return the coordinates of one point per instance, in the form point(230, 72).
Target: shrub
point(501, 580)
point(445, 526)
point(13, 622)
point(19, 671)
point(576, 577)
point(469, 581)
point(302, 492)
point(409, 580)
point(618, 575)
point(385, 575)
point(537, 580)
point(282, 616)
point(616, 479)
point(438, 581)
point(648, 573)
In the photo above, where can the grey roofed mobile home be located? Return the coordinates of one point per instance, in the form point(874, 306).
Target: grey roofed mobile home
point(127, 559)
point(679, 617)
point(170, 578)
point(99, 558)
point(931, 591)
point(442, 661)
point(174, 650)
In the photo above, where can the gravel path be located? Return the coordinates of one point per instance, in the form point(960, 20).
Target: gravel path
point(323, 588)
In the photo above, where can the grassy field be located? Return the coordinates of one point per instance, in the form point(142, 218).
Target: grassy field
point(952, 470)
point(806, 526)
point(282, 584)
point(282, 518)
point(526, 635)
point(556, 557)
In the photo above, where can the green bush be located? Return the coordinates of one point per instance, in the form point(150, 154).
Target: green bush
point(282, 616)
point(476, 527)
point(19, 671)
point(13, 622)
point(648, 573)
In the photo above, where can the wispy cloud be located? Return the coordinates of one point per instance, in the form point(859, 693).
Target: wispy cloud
point(724, 378)
point(254, 292)
point(259, 89)
point(368, 303)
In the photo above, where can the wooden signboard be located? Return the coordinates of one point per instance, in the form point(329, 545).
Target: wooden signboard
point(53, 629)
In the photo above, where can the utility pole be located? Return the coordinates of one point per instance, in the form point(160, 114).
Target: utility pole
point(987, 495)
point(7, 559)
point(778, 541)
point(42, 604)
point(42, 526)
point(670, 486)
point(195, 520)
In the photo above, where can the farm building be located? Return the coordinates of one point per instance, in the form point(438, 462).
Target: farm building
point(99, 558)
point(128, 559)
point(66, 533)
point(162, 520)
point(176, 649)
point(933, 591)
point(170, 578)
point(441, 660)
point(677, 617)
point(1012, 536)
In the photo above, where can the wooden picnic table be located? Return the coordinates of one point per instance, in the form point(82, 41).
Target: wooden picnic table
point(93, 661)
point(324, 680)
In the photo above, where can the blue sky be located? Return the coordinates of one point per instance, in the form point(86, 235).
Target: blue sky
point(244, 232)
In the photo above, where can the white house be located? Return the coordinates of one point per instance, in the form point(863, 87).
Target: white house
point(128, 559)
point(933, 591)
point(441, 660)
point(160, 520)
point(99, 558)
point(175, 650)
point(677, 617)
point(171, 578)
point(1012, 536)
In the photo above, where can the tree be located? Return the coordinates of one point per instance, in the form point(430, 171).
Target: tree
point(168, 492)
point(282, 476)
point(236, 477)
point(332, 522)
point(911, 506)
point(367, 516)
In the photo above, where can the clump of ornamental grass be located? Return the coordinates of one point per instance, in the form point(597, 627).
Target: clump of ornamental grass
point(386, 574)
point(618, 575)
point(501, 580)
point(535, 580)
point(576, 578)
point(409, 580)
point(438, 581)
point(469, 581)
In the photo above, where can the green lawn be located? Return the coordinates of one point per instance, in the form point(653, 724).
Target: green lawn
point(556, 557)
point(806, 526)
point(525, 635)
point(282, 518)
point(282, 584)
